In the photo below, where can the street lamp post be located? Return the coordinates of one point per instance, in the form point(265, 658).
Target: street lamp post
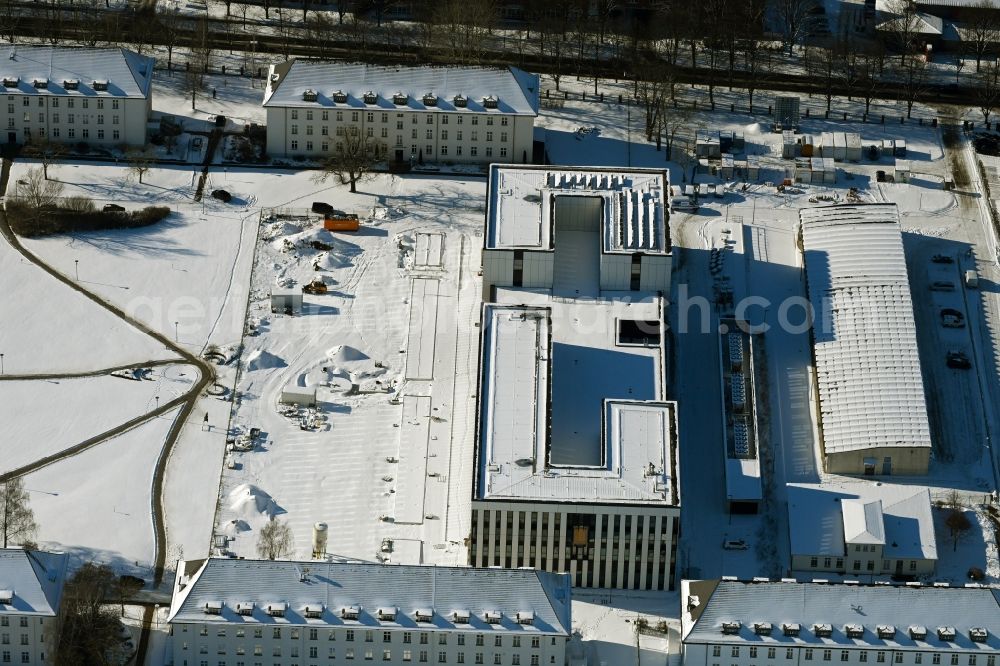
point(176, 333)
point(157, 399)
point(76, 265)
point(1, 364)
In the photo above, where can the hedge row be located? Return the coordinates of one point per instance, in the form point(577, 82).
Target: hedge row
point(27, 221)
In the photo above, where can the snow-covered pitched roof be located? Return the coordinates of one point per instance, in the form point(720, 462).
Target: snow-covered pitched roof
point(838, 605)
point(863, 522)
point(64, 70)
point(566, 414)
point(817, 523)
point(868, 370)
point(32, 581)
point(290, 587)
point(634, 211)
point(311, 84)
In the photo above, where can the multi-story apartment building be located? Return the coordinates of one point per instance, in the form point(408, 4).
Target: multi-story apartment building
point(31, 586)
point(786, 623)
point(229, 612)
point(405, 114)
point(74, 95)
point(577, 444)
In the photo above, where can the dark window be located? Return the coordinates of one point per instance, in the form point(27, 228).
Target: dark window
point(638, 332)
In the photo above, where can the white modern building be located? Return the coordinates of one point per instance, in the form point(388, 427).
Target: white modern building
point(577, 442)
point(227, 612)
point(787, 623)
point(406, 114)
point(74, 95)
point(539, 219)
point(873, 413)
point(861, 529)
point(31, 585)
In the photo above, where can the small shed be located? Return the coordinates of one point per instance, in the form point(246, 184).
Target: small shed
point(900, 149)
point(753, 167)
point(817, 167)
point(299, 395)
point(808, 142)
point(789, 146)
point(888, 147)
point(739, 142)
point(853, 147)
point(829, 171)
point(706, 144)
point(803, 172)
point(901, 172)
point(288, 301)
point(728, 163)
point(839, 147)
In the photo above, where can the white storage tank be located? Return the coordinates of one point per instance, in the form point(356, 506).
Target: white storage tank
point(319, 540)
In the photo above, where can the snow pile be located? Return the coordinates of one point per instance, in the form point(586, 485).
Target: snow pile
point(351, 364)
point(754, 128)
point(249, 501)
point(328, 261)
point(276, 229)
point(263, 360)
point(233, 528)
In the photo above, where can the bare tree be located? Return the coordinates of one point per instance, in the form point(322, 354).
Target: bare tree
point(912, 74)
point(168, 27)
point(35, 192)
point(980, 29)
point(87, 627)
point(353, 160)
point(464, 27)
point(17, 520)
point(140, 161)
point(870, 70)
point(275, 540)
point(902, 25)
point(48, 153)
point(10, 19)
point(796, 20)
point(988, 90)
point(957, 521)
point(824, 66)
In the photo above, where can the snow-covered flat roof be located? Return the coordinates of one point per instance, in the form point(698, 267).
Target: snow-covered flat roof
point(822, 518)
point(743, 479)
point(311, 84)
point(351, 594)
point(523, 200)
point(31, 582)
point(84, 72)
point(566, 414)
point(868, 369)
point(893, 609)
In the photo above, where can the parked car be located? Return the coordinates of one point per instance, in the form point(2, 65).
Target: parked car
point(322, 208)
point(222, 195)
point(942, 259)
point(735, 544)
point(942, 285)
point(880, 176)
point(113, 208)
point(958, 360)
point(952, 318)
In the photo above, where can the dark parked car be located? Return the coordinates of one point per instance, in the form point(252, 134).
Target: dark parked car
point(880, 176)
point(958, 360)
point(222, 196)
point(113, 208)
point(952, 318)
point(322, 208)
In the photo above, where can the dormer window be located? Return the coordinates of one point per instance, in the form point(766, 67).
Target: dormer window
point(731, 628)
point(340, 97)
point(277, 609)
point(370, 97)
point(6, 597)
point(525, 617)
point(461, 101)
point(790, 629)
point(460, 617)
point(823, 630)
point(309, 96)
point(423, 615)
point(100, 84)
point(399, 99)
point(71, 84)
point(854, 630)
point(978, 634)
point(41, 84)
point(492, 617)
point(762, 628)
point(213, 608)
point(313, 611)
point(917, 633)
point(430, 99)
point(11, 81)
point(946, 633)
point(350, 612)
point(386, 614)
point(885, 631)
point(245, 608)
point(490, 102)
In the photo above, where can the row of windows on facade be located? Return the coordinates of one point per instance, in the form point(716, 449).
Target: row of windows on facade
point(856, 564)
point(54, 103)
point(428, 150)
point(313, 634)
point(70, 133)
point(6, 657)
point(22, 621)
point(845, 655)
point(370, 132)
point(573, 520)
point(5, 639)
point(407, 655)
point(384, 118)
point(581, 552)
point(70, 118)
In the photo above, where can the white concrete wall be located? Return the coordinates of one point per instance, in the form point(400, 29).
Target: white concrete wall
point(22, 635)
point(538, 270)
point(655, 273)
point(74, 119)
point(825, 563)
point(616, 272)
point(498, 267)
point(193, 644)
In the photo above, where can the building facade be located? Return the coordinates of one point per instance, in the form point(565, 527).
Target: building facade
point(99, 97)
point(31, 585)
point(229, 612)
point(764, 623)
point(403, 114)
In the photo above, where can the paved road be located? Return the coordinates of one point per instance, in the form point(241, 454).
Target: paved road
point(92, 373)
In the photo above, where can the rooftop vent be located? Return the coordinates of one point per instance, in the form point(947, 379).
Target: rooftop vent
point(245, 608)
point(460, 617)
point(790, 628)
point(885, 631)
point(946, 633)
point(6, 597)
point(277, 609)
point(490, 102)
point(731, 628)
point(461, 101)
point(309, 96)
point(11, 81)
point(350, 612)
point(978, 634)
point(340, 97)
point(386, 613)
point(71, 84)
point(369, 97)
point(525, 617)
point(854, 630)
point(100, 84)
point(492, 616)
point(40, 83)
point(917, 632)
point(313, 611)
point(423, 614)
point(399, 99)
point(213, 608)
point(430, 99)
point(823, 630)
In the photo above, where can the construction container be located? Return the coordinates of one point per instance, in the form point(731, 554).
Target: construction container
point(789, 146)
point(706, 144)
point(829, 171)
point(803, 172)
point(901, 172)
point(753, 167)
point(853, 147)
point(727, 166)
point(808, 143)
point(900, 149)
point(341, 222)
